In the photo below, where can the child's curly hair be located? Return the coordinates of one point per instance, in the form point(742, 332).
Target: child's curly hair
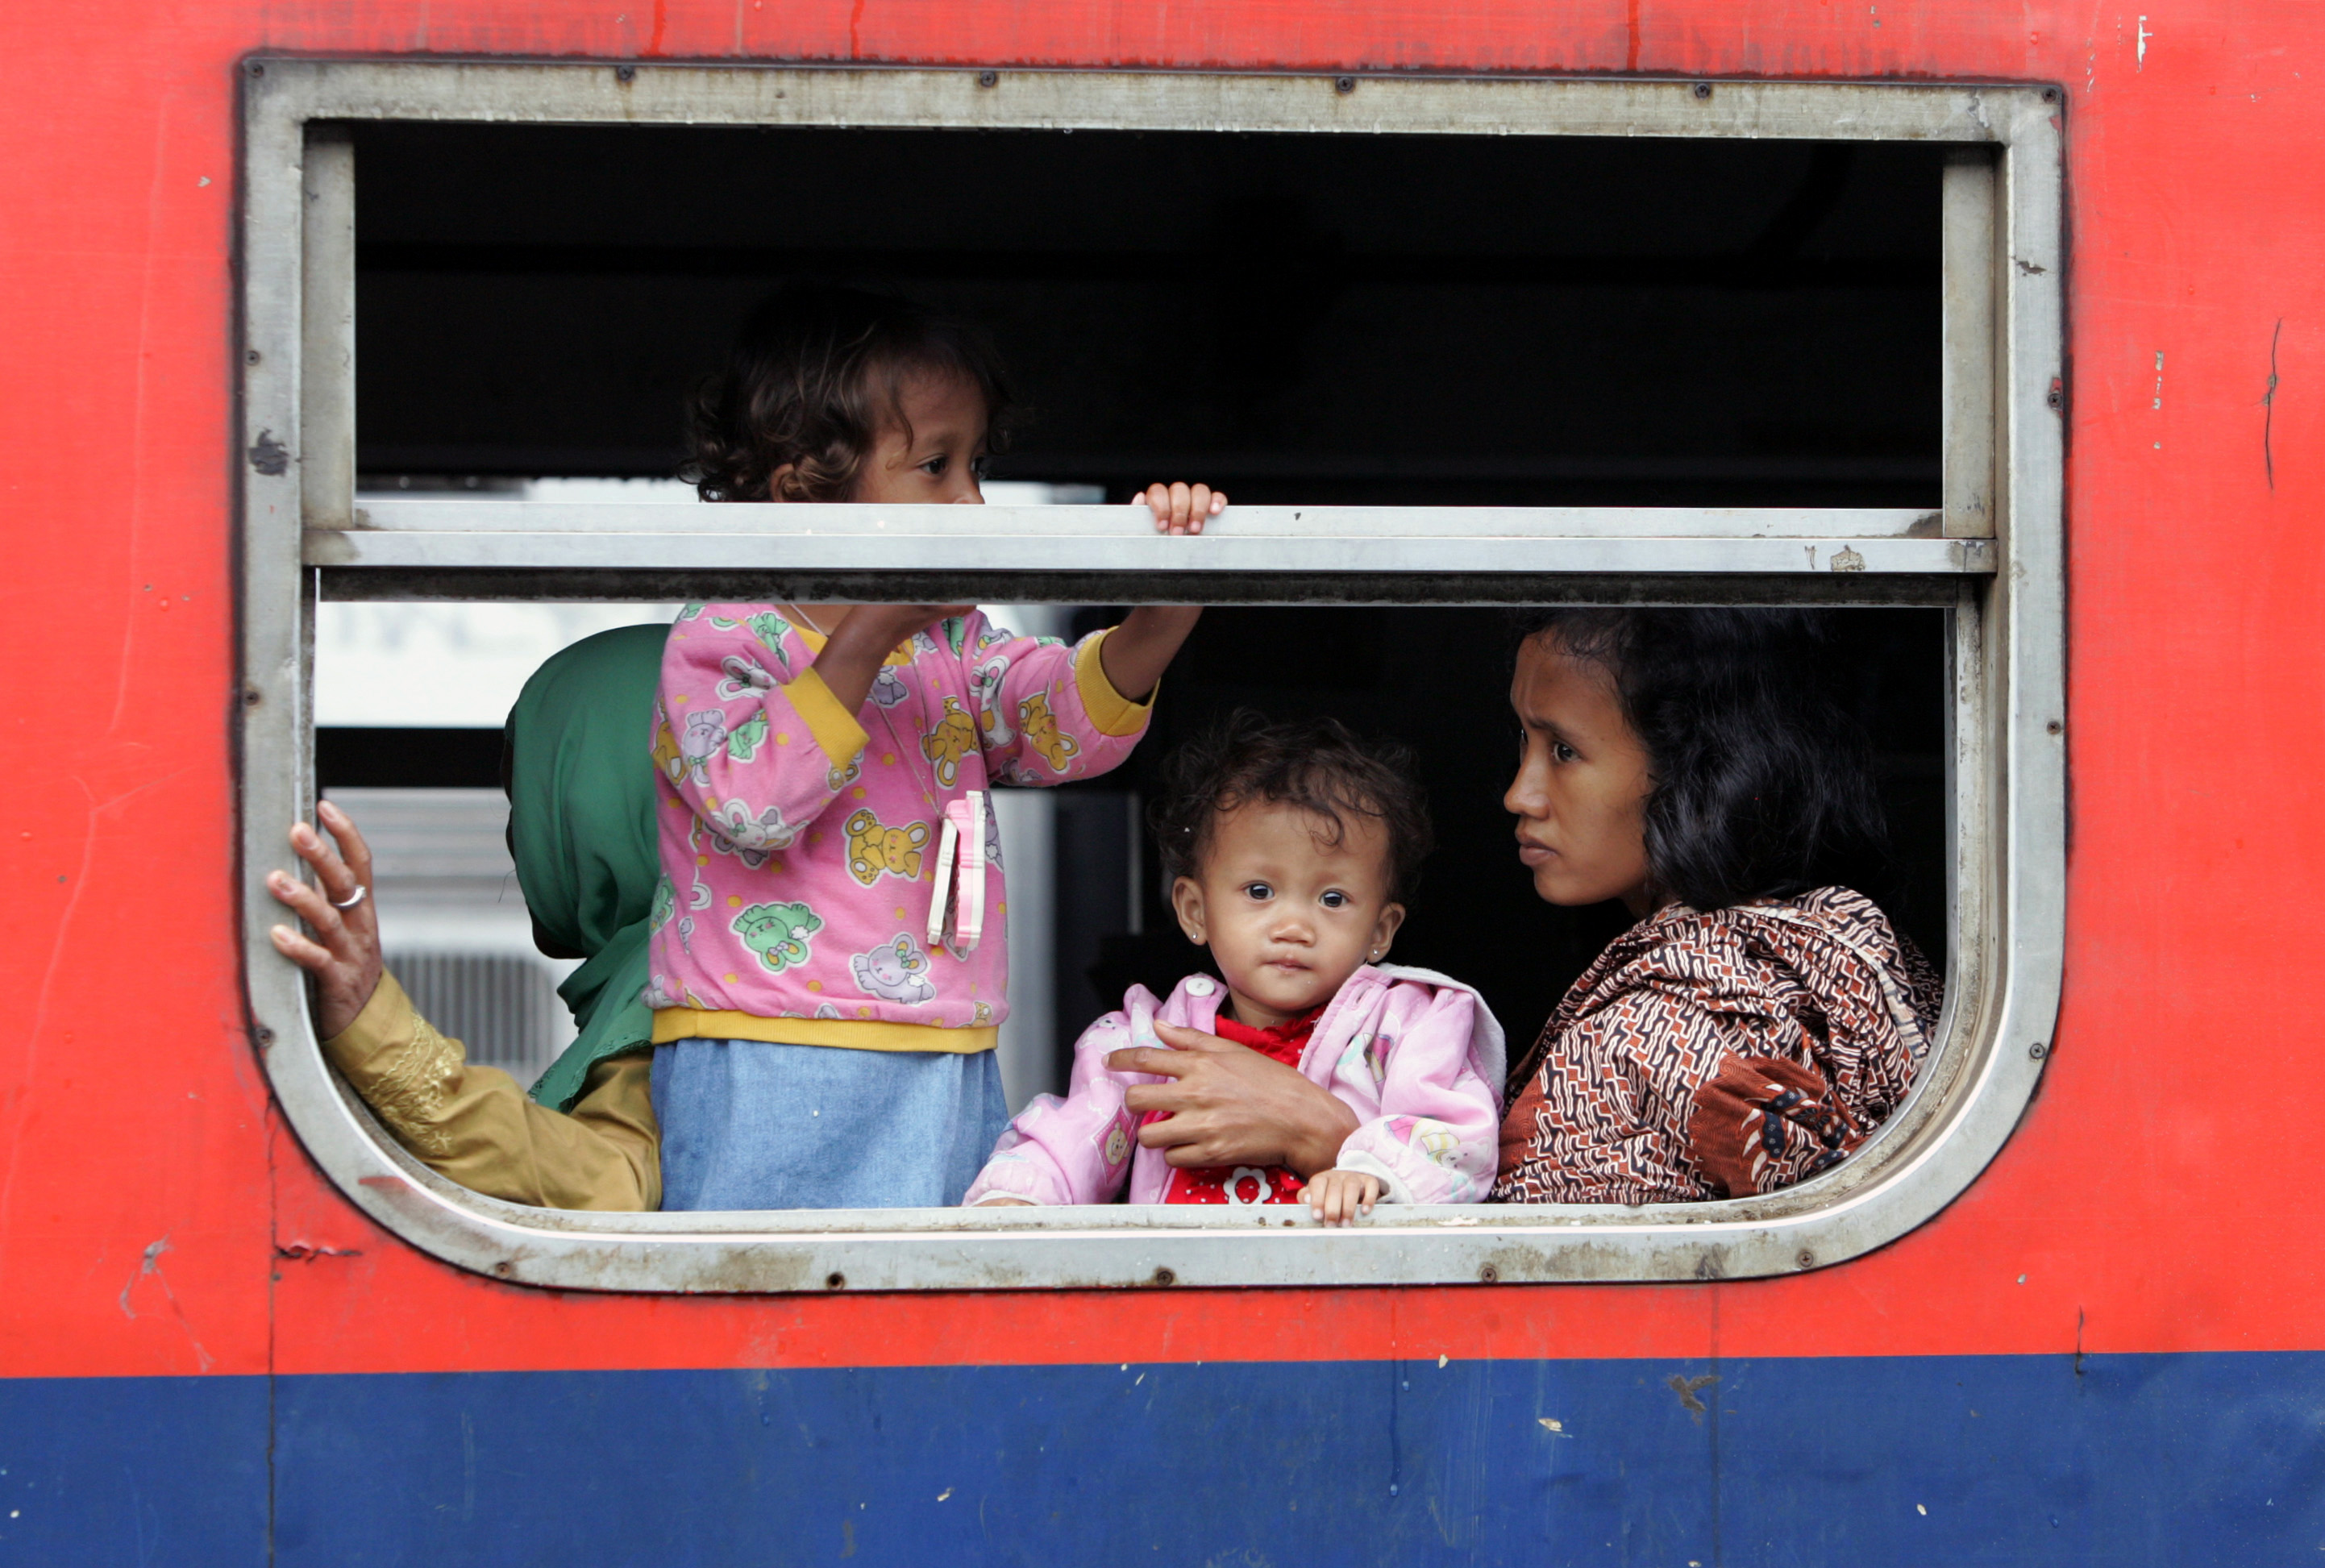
point(1314, 764)
point(817, 375)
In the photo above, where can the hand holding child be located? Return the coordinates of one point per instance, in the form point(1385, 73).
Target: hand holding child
point(1338, 1196)
point(1229, 1105)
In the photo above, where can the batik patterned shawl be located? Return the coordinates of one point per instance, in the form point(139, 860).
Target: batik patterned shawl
point(1715, 1055)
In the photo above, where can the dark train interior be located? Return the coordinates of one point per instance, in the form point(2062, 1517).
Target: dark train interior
point(1349, 319)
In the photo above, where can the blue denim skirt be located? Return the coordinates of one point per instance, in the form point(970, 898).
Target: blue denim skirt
point(750, 1124)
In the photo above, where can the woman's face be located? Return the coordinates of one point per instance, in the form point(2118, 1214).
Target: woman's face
point(1580, 793)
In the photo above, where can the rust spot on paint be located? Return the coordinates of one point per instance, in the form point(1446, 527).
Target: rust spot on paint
point(1687, 1388)
point(269, 455)
point(308, 1251)
point(2268, 409)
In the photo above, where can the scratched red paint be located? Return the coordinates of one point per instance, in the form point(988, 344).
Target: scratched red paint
point(2155, 1192)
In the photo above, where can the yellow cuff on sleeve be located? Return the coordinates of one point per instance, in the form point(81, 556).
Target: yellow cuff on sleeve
point(1109, 711)
point(834, 727)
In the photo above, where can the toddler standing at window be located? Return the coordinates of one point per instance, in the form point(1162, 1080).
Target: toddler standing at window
point(829, 950)
point(1291, 847)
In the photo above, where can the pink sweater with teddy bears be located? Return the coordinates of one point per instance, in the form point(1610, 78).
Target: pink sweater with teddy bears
point(799, 841)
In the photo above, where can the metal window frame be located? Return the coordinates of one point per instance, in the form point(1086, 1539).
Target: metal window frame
point(1993, 556)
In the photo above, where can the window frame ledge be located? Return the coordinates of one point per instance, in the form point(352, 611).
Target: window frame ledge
point(2004, 506)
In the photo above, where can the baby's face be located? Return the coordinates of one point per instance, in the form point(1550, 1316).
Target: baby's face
point(1287, 914)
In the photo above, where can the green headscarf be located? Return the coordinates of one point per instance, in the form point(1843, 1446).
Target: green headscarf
point(581, 812)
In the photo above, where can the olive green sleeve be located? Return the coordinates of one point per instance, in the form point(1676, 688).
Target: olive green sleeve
point(477, 1126)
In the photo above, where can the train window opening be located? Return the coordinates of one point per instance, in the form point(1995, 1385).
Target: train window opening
point(1086, 900)
point(1451, 347)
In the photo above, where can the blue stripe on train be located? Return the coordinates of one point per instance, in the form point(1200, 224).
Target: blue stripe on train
point(2188, 1458)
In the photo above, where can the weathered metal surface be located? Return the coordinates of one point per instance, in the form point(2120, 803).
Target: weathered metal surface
point(1271, 541)
point(326, 298)
point(641, 585)
point(1966, 225)
point(463, 549)
point(667, 93)
point(386, 523)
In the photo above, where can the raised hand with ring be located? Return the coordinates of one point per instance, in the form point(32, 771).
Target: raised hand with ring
point(343, 953)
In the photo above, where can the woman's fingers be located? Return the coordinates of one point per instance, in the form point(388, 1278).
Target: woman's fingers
point(1147, 1058)
point(1184, 1156)
point(343, 954)
point(1187, 1039)
point(299, 949)
point(1168, 1133)
point(308, 905)
point(338, 881)
point(352, 848)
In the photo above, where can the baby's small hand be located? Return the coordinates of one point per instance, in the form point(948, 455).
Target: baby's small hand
point(1000, 1202)
point(1338, 1196)
point(1184, 508)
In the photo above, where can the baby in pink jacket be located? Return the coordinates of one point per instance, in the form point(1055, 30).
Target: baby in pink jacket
point(1291, 847)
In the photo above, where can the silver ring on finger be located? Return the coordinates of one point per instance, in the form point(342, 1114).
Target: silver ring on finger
point(352, 899)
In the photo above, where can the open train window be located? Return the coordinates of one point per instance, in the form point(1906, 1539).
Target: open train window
point(1452, 345)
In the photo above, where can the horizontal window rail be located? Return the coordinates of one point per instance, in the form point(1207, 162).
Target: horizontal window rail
point(438, 548)
point(508, 522)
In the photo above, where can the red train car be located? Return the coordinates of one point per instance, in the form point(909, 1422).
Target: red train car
point(2048, 1314)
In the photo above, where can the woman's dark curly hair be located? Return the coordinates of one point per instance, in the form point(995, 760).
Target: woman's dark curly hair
point(817, 375)
point(1313, 764)
point(1762, 785)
